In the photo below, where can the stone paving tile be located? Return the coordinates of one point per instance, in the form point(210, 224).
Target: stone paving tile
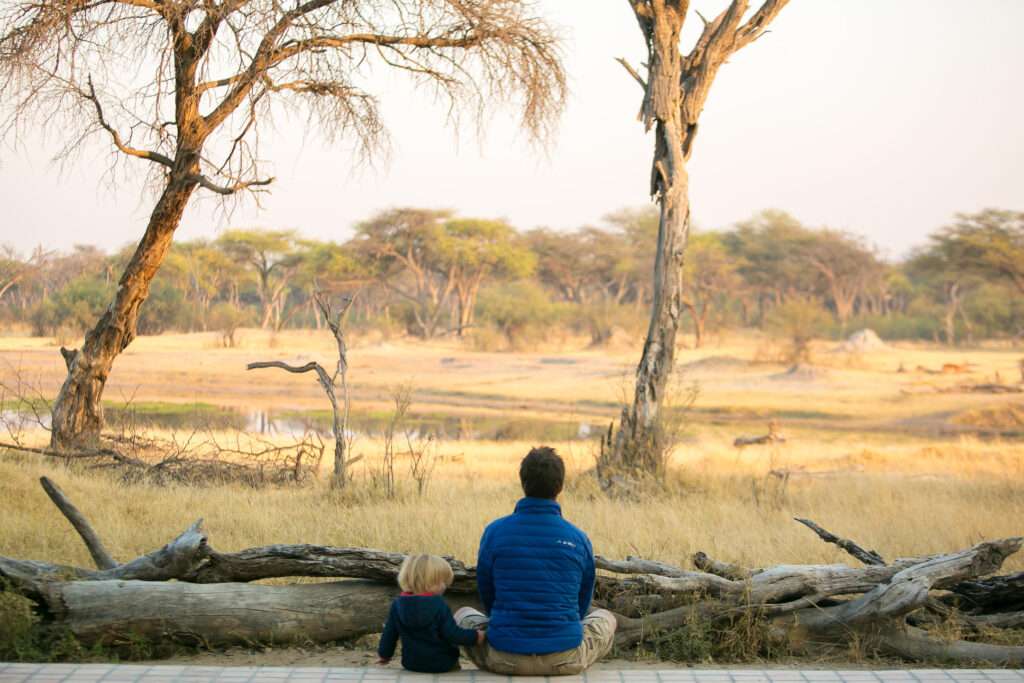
point(107, 673)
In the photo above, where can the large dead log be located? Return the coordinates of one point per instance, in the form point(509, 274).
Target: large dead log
point(113, 612)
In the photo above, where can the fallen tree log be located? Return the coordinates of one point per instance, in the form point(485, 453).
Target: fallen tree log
point(997, 593)
point(220, 614)
point(278, 561)
point(189, 592)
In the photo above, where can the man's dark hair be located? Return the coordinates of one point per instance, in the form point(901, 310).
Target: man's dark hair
point(542, 473)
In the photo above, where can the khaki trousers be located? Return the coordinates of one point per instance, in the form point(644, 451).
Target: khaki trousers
point(598, 637)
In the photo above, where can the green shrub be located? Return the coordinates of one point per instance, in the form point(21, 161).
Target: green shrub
point(795, 323)
point(74, 308)
point(600, 319)
point(226, 319)
point(164, 309)
point(521, 311)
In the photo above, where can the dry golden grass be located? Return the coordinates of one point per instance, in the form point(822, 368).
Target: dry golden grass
point(866, 453)
point(905, 500)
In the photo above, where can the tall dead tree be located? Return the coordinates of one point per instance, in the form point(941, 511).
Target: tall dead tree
point(328, 382)
point(187, 85)
point(675, 89)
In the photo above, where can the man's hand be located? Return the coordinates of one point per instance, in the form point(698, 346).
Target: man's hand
point(481, 636)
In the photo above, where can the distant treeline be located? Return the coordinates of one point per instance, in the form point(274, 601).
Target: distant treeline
point(430, 273)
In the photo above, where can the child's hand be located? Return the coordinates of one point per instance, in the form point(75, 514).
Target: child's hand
point(383, 662)
point(481, 636)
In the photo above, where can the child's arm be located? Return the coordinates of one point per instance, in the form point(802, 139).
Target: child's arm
point(388, 639)
point(455, 634)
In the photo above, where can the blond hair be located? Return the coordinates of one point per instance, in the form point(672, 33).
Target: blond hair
point(424, 574)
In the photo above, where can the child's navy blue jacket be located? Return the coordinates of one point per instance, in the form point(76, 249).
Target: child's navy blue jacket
point(535, 573)
point(430, 636)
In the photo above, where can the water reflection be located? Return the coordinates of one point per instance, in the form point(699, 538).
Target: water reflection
point(440, 426)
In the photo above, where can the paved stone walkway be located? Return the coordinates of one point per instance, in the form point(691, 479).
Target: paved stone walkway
point(109, 673)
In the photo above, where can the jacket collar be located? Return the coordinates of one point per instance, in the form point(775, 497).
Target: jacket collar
point(538, 506)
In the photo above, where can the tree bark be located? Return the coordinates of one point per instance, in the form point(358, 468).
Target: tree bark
point(78, 411)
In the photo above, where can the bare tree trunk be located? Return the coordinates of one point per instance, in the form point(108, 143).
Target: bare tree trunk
point(78, 411)
point(675, 90)
point(952, 306)
point(700, 320)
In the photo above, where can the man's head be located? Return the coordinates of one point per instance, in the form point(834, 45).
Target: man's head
point(542, 473)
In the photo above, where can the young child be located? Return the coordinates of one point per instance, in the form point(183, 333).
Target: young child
point(421, 618)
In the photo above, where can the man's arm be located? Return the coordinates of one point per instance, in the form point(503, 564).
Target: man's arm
point(588, 579)
point(484, 574)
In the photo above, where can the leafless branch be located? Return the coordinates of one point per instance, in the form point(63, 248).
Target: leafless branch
point(632, 72)
point(227, 190)
point(116, 137)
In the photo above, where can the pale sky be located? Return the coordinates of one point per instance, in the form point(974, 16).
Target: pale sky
point(882, 117)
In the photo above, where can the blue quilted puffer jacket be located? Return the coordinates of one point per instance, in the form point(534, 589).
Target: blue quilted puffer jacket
point(535, 572)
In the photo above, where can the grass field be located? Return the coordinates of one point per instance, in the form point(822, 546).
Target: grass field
point(873, 454)
point(900, 461)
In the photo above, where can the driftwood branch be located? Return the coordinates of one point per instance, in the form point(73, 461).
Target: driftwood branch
point(99, 554)
point(869, 557)
point(726, 570)
point(637, 565)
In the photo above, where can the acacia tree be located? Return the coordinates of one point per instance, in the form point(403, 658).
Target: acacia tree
point(478, 248)
point(991, 242)
point(847, 266)
point(274, 256)
point(560, 262)
point(405, 245)
point(675, 89)
point(14, 269)
point(708, 277)
point(186, 85)
point(208, 271)
point(640, 229)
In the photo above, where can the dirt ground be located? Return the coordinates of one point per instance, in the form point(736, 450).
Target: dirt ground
point(736, 379)
point(354, 657)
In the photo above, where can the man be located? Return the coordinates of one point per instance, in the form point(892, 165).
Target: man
point(535, 573)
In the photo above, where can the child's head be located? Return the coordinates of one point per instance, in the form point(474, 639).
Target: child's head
point(425, 574)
